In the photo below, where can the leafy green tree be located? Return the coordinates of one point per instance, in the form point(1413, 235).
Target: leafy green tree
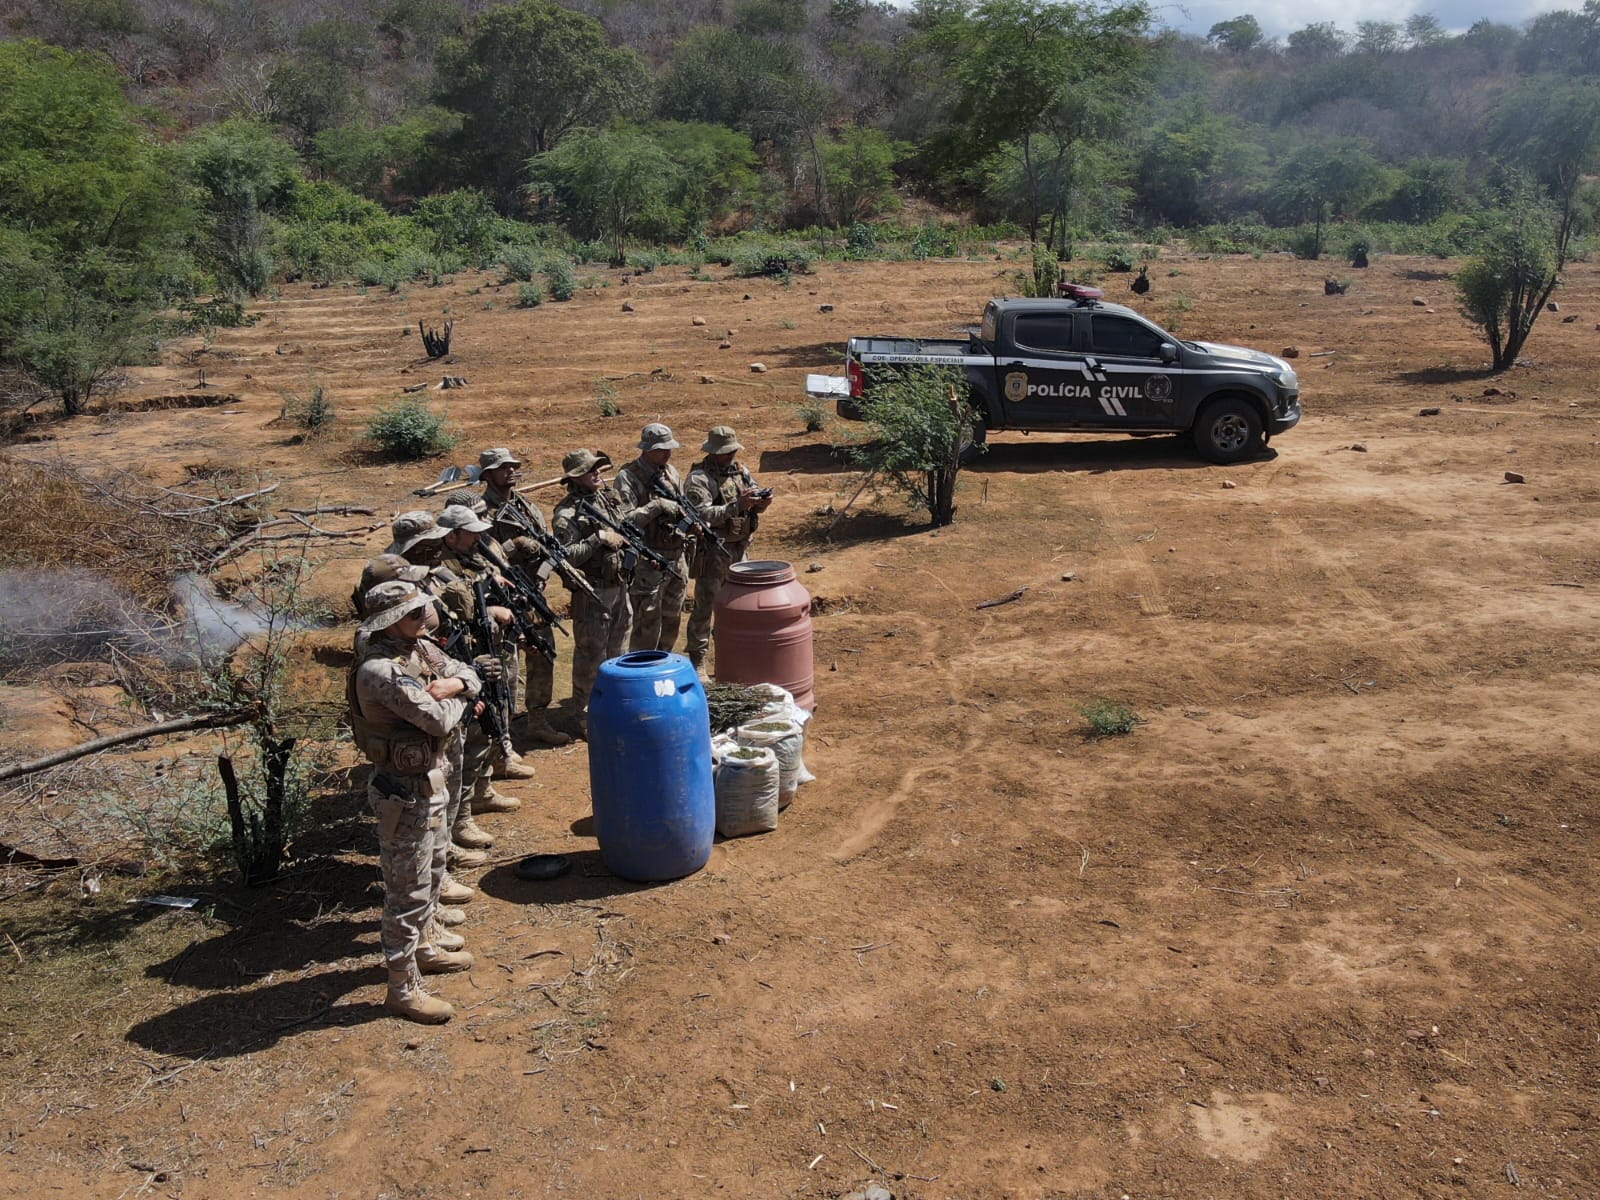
point(1506, 284)
point(246, 174)
point(1564, 43)
point(1423, 29)
point(461, 222)
point(1426, 189)
point(610, 184)
point(1551, 128)
point(1322, 179)
point(1185, 164)
point(1318, 42)
point(1377, 37)
point(93, 220)
point(1238, 35)
point(528, 74)
point(719, 174)
point(860, 167)
point(386, 162)
point(1041, 79)
point(919, 425)
point(1494, 42)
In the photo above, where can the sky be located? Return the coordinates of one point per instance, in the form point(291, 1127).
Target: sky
point(1278, 18)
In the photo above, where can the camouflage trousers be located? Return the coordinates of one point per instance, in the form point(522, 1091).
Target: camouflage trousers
point(539, 679)
point(713, 571)
point(657, 600)
point(411, 847)
point(599, 631)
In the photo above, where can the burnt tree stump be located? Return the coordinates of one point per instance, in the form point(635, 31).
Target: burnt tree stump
point(436, 342)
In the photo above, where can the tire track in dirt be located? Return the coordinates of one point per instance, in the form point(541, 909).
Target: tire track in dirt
point(1125, 556)
point(1529, 900)
point(955, 672)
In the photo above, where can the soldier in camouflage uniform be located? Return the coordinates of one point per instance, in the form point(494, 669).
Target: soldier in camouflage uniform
point(508, 512)
point(655, 594)
point(600, 627)
point(466, 561)
point(730, 501)
point(406, 698)
point(417, 537)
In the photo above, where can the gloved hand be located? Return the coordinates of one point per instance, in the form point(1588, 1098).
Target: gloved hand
point(663, 507)
point(612, 540)
point(489, 668)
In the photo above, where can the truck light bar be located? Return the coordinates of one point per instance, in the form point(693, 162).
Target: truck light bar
point(1082, 293)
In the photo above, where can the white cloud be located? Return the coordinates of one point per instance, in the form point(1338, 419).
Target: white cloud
point(1279, 18)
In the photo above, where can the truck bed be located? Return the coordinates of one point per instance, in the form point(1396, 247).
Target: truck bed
point(933, 351)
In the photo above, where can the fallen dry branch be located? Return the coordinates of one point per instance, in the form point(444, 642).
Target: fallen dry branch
point(231, 500)
point(216, 720)
point(307, 530)
point(1016, 595)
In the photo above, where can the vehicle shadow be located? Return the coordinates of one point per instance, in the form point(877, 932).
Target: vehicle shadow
point(1159, 452)
point(818, 355)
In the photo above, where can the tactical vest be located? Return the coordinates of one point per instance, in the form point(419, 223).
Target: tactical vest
point(397, 747)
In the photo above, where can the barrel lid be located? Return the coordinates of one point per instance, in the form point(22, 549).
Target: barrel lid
point(762, 570)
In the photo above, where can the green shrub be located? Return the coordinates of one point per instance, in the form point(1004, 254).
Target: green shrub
point(1119, 258)
point(560, 278)
point(530, 295)
point(815, 415)
point(862, 241)
point(409, 430)
point(605, 397)
point(933, 241)
point(643, 261)
point(1109, 718)
point(313, 412)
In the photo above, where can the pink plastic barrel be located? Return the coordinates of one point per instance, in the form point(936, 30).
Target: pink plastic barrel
point(762, 629)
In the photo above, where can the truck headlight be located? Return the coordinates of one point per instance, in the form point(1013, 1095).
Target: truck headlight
point(1287, 380)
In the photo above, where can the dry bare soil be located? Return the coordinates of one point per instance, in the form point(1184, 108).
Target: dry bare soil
point(1319, 927)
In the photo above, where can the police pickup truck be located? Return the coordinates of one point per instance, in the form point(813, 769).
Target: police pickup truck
point(1082, 366)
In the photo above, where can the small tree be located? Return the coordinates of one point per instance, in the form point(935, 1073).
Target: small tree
point(1505, 286)
point(921, 424)
point(611, 184)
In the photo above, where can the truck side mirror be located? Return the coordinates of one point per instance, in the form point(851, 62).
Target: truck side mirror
point(1168, 352)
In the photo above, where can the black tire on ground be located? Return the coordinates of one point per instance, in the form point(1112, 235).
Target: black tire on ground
point(1228, 430)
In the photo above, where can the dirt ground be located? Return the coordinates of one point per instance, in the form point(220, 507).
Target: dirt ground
point(1319, 927)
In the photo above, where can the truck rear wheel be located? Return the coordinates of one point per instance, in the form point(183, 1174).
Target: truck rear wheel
point(973, 446)
point(1228, 430)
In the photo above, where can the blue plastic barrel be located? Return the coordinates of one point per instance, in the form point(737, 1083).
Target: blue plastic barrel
point(655, 806)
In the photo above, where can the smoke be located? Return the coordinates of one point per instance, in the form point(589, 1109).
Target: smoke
point(69, 614)
point(58, 615)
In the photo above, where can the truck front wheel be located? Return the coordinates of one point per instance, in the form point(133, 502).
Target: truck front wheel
point(1228, 430)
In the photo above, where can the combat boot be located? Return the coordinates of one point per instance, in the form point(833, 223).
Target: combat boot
point(452, 892)
point(540, 732)
point(466, 833)
point(431, 960)
point(450, 917)
point(486, 800)
point(463, 856)
point(435, 934)
point(407, 999)
point(513, 766)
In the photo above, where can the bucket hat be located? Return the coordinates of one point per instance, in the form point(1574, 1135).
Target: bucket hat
point(579, 463)
point(496, 457)
point(413, 527)
point(460, 517)
point(388, 602)
point(721, 440)
point(657, 436)
point(386, 568)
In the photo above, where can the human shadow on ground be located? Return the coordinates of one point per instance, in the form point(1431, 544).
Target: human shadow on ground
point(820, 356)
point(245, 1021)
point(813, 458)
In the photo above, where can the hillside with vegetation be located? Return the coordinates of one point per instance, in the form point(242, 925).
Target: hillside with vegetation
point(166, 160)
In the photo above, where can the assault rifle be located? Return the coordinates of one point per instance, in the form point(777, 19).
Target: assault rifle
point(691, 523)
point(520, 594)
point(637, 548)
point(554, 551)
point(496, 715)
